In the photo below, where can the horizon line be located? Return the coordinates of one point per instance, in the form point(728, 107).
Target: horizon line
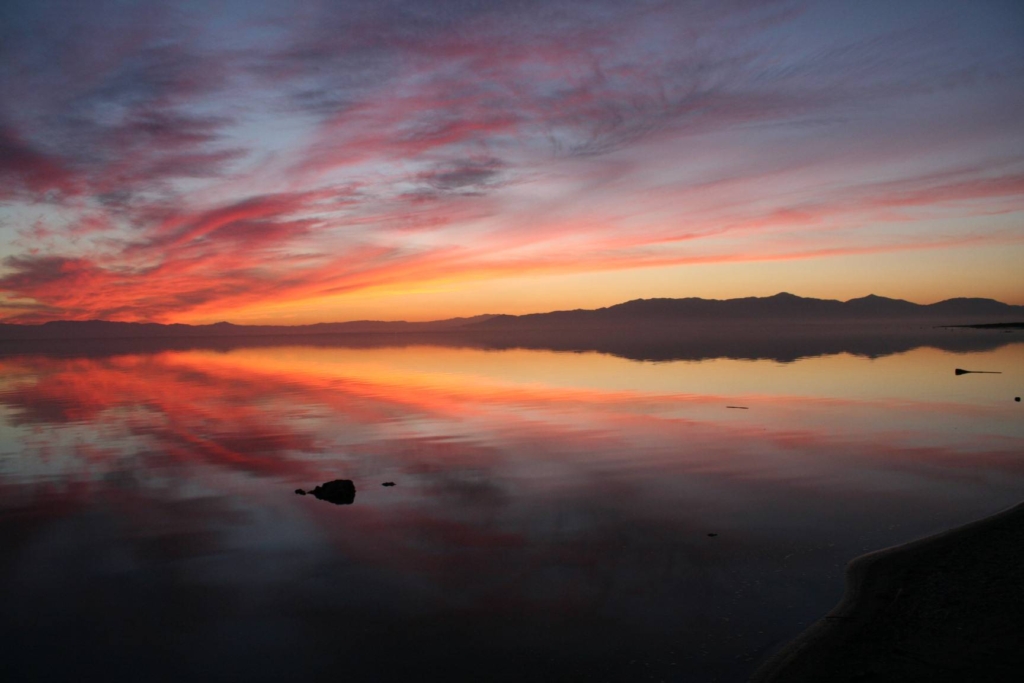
point(509, 315)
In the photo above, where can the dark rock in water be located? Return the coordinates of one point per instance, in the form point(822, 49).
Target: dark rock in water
point(712, 535)
point(1017, 399)
point(300, 492)
point(391, 483)
point(339, 492)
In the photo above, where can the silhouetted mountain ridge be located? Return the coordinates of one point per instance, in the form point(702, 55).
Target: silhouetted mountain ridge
point(106, 329)
point(782, 307)
point(648, 315)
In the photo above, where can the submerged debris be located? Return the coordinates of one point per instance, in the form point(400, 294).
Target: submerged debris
point(739, 407)
point(388, 483)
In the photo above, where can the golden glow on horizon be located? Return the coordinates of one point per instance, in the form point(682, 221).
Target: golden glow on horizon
point(899, 275)
point(503, 163)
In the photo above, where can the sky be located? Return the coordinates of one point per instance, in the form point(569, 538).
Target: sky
point(296, 162)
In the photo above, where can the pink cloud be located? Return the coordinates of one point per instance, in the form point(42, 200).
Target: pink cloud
point(195, 176)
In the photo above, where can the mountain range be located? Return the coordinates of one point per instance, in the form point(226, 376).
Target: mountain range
point(780, 308)
point(672, 314)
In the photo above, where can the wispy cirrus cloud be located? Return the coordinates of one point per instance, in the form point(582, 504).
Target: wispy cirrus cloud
point(183, 163)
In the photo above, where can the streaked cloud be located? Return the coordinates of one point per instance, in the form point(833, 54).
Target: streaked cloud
point(192, 163)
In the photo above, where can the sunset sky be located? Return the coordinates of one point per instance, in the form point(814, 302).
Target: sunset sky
point(292, 162)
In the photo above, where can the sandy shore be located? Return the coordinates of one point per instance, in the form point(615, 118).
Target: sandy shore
point(945, 608)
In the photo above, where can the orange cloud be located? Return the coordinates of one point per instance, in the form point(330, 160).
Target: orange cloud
point(197, 181)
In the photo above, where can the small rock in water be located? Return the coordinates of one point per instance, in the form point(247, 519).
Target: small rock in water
point(300, 492)
point(712, 535)
point(1017, 399)
point(388, 483)
point(339, 492)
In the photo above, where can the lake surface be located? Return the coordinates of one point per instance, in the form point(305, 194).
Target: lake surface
point(550, 519)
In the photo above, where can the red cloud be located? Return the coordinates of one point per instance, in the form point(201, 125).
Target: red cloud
point(24, 169)
point(195, 179)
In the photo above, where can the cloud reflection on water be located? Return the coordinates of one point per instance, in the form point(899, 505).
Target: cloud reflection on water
point(552, 509)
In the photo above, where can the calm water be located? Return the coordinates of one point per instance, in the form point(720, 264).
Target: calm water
point(550, 518)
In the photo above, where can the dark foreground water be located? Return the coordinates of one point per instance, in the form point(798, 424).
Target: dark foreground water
point(555, 516)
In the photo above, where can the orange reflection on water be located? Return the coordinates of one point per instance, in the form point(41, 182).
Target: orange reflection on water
point(533, 487)
point(301, 412)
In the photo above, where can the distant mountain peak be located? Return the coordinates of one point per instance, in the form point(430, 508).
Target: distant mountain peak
point(875, 298)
